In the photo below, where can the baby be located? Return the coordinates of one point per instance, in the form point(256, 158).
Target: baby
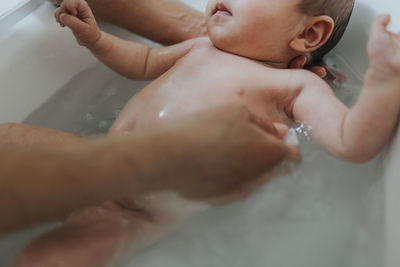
point(245, 60)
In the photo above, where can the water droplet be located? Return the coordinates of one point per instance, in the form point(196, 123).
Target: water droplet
point(88, 117)
point(112, 91)
point(103, 124)
point(162, 113)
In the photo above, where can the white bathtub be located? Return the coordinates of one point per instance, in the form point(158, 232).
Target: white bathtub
point(40, 60)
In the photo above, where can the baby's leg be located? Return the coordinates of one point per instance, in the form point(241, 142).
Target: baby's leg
point(101, 236)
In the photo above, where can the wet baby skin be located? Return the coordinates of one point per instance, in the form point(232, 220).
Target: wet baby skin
point(207, 72)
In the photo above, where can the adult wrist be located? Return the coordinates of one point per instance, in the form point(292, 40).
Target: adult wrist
point(135, 163)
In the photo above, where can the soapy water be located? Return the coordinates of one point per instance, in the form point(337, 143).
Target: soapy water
point(302, 129)
point(320, 214)
point(324, 212)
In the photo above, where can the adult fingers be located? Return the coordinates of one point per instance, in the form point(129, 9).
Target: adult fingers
point(238, 113)
point(268, 134)
point(263, 124)
point(270, 149)
point(282, 129)
point(318, 70)
point(293, 154)
point(298, 62)
point(273, 150)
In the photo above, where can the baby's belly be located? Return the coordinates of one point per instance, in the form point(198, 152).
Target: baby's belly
point(158, 104)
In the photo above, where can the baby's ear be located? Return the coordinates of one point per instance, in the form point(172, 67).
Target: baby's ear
point(316, 33)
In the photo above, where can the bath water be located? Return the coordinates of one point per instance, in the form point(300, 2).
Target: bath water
point(324, 213)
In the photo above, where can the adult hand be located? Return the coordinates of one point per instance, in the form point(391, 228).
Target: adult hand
point(299, 63)
point(220, 154)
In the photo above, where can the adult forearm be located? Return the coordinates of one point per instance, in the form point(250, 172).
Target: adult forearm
point(43, 184)
point(215, 155)
point(164, 21)
point(15, 135)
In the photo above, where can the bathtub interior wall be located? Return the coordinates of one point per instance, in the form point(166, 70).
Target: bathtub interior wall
point(352, 48)
point(37, 59)
point(298, 220)
point(8, 6)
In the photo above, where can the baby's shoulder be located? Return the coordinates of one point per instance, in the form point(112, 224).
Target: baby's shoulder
point(294, 80)
point(306, 78)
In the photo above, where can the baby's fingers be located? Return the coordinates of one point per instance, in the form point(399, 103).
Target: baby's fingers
point(71, 7)
point(68, 7)
point(75, 24)
point(380, 23)
point(58, 13)
point(85, 13)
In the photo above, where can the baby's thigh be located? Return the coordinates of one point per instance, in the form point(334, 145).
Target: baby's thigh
point(124, 123)
point(99, 235)
point(166, 207)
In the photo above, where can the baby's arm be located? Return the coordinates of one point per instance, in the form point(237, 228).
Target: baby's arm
point(360, 133)
point(131, 59)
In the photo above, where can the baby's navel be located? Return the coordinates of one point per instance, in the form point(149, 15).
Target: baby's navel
point(240, 92)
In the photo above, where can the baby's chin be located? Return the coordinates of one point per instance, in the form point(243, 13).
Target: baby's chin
point(220, 44)
point(225, 43)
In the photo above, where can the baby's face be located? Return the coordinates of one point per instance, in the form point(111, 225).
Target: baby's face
point(257, 29)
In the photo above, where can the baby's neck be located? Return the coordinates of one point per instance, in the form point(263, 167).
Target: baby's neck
point(277, 65)
point(283, 64)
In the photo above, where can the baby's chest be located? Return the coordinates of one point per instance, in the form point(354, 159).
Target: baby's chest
point(267, 99)
point(209, 79)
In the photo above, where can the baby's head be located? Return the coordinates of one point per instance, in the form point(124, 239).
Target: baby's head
point(276, 31)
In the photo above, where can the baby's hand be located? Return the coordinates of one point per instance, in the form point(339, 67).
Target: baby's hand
point(383, 49)
point(77, 15)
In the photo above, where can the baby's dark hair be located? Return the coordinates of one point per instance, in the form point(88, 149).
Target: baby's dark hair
point(339, 10)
